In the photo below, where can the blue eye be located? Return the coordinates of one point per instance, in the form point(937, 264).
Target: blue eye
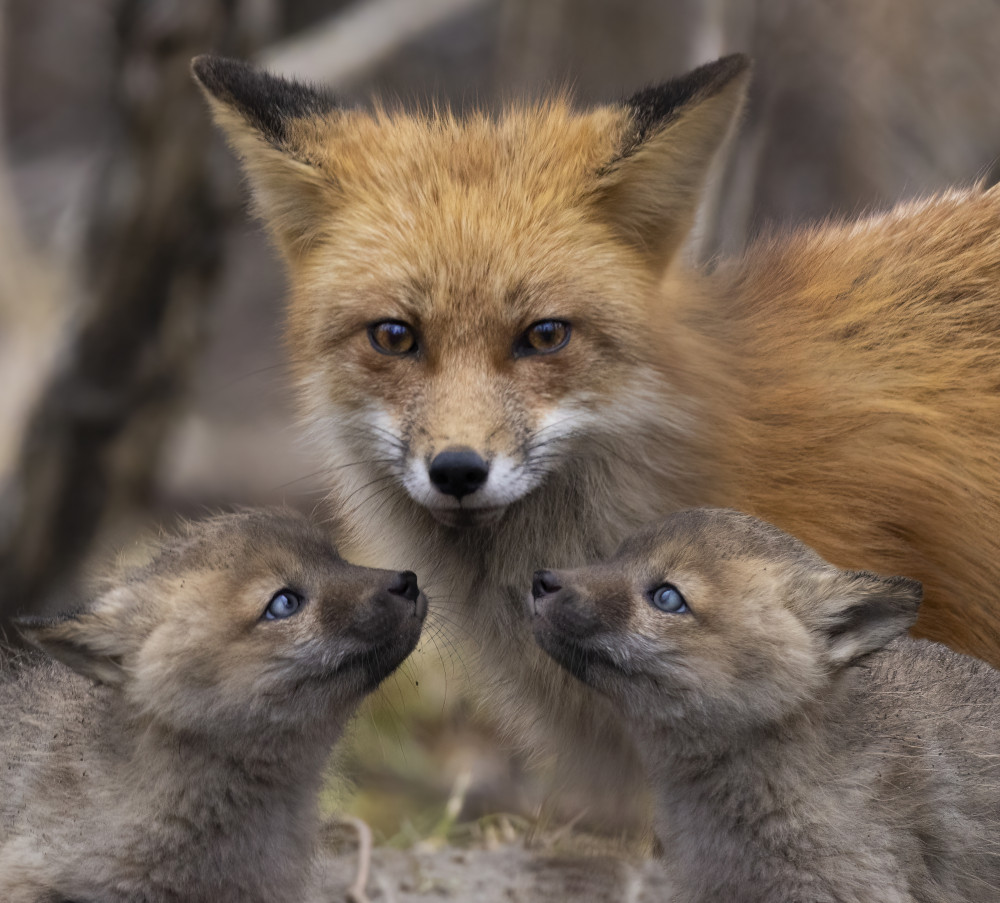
point(283, 604)
point(668, 598)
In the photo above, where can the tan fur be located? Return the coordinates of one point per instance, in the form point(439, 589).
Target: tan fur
point(842, 382)
point(181, 758)
point(796, 748)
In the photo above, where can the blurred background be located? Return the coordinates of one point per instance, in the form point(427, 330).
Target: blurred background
point(141, 359)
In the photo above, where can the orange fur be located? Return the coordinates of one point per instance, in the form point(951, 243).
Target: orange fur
point(841, 382)
point(869, 417)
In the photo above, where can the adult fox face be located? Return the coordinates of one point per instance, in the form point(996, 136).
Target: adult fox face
point(474, 302)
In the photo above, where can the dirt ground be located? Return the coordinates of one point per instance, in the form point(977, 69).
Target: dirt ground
point(509, 874)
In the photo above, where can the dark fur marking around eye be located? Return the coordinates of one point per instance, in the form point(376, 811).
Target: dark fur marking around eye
point(267, 101)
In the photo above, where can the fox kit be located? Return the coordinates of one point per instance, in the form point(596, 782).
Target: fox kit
point(181, 757)
point(797, 749)
point(509, 365)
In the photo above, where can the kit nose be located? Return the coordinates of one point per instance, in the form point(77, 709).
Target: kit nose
point(458, 472)
point(405, 584)
point(544, 584)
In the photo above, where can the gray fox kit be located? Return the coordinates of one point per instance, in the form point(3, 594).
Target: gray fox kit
point(798, 746)
point(179, 756)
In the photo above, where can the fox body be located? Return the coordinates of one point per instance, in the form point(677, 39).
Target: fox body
point(181, 757)
point(798, 748)
point(508, 363)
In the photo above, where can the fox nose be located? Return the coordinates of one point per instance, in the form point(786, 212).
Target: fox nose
point(404, 584)
point(544, 584)
point(458, 471)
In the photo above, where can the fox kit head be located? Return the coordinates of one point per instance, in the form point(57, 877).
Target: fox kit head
point(246, 621)
point(715, 619)
point(472, 299)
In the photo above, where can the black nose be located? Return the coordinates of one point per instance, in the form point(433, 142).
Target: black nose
point(544, 584)
point(405, 584)
point(458, 472)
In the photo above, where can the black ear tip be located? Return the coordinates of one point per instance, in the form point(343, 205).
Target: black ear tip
point(708, 78)
point(201, 67)
point(654, 107)
point(732, 65)
point(264, 100)
point(214, 73)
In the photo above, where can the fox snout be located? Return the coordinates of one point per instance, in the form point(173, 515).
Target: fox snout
point(560, 608)
point(462, 487)
point(458, 472)
point(404, 593)
point(570, 624)
point(384, 627)
point(404, 585)
point(394, 606)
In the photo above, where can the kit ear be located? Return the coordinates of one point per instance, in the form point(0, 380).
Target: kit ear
point(865, 612)
point(82, 641)
point(650, 191)
point(271, 123)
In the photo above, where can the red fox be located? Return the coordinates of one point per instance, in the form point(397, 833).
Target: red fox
point(799, 748)
point(509, 364)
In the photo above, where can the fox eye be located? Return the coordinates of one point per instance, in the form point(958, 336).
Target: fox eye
point(283, 604)
point(392, 337)
point(542, 337)
point(669, 599)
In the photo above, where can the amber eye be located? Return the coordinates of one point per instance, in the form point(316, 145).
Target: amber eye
point(542, 337)
point(392, 337)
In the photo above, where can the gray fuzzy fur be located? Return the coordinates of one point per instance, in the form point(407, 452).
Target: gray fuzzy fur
point(185, 761)
point(799, 747)
point(885, 787)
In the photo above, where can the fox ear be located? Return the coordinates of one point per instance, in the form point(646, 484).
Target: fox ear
point(865, 612)
point(650, 191)
point(268, 120)
point(81, 641)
